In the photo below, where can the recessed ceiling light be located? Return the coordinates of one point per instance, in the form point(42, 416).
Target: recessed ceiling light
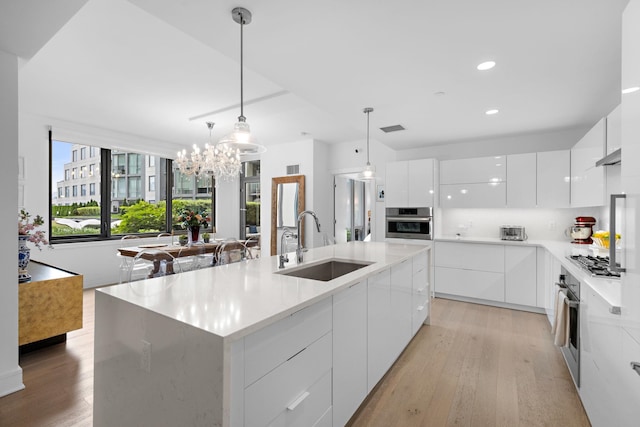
point(491, 112)
point(630, 90)
point(486, 65)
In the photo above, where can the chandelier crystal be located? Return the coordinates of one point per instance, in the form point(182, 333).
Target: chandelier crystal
point(220, 160)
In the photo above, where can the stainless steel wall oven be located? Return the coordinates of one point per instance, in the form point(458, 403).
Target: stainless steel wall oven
point(409, 223)
point(571, 353)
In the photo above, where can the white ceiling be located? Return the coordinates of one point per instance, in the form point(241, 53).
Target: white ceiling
point(145, 67)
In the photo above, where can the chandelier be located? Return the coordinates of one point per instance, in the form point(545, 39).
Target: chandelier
point(220, 160)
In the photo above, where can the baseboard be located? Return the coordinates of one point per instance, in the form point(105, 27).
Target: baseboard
point(11, 381)
point(510, 306)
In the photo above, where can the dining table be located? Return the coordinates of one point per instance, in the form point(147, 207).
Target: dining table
point(167, 252)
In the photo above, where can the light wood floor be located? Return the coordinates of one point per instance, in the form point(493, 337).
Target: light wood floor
point(473, 366)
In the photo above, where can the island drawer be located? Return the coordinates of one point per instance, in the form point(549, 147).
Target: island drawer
point(298, 392)
point(268, 348)
point(420, 263)
point(470, 256)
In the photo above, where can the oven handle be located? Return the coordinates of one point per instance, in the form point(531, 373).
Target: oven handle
point(409, 219)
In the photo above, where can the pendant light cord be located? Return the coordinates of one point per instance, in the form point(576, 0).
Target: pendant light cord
point(368, 138)
point(242, 118)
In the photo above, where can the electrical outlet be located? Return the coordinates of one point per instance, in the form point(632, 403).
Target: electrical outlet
point(145, 357)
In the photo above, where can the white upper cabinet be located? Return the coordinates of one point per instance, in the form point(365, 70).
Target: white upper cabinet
point(473, 183)
point(587, 180)
point(410, 183)
point(476, 170)
point(521, 180)
point(614, 129)
point(553, 176)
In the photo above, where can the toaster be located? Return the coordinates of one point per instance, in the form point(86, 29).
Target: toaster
point(512, 232)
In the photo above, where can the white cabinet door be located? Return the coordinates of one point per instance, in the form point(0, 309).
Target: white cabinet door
point(470, 256)
point(600, 351)
point(553, 174)
point(587, 180)
point(421, 183)
point(401, 312)
point(614, 129)
point(470, 283)
point(396, 194)
point(410, 184)
point(629, 391)
point(378, 327)
point(349, 351)
point(421, 300)
point(479, 195)
point(521, 180)
point(520, 275)
point(474, 170)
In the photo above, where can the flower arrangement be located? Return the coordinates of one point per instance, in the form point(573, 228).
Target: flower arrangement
point(602, 238)
point(189, 218)
point(26, 227)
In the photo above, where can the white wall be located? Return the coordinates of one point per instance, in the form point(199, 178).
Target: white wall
point(322, 194)
point(540, 224)
point(274, 163)
point(10, 371)
point(516, 144)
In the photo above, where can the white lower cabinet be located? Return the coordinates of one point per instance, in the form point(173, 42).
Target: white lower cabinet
point(520, 265)
point(401, 313)
point(379, 331)
point(296, 393)
point(421, 300)
point(349, 351)
point(600, 354)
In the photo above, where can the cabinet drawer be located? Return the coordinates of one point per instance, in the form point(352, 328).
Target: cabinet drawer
point(470, 256)
point(273, 345)
point(420, 304)
point(297, 393)
point(470, 283)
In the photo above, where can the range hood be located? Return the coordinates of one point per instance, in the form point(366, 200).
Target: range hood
point(615, 158)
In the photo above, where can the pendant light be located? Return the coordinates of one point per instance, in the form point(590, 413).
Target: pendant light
point(369, 171)
point(240, 140)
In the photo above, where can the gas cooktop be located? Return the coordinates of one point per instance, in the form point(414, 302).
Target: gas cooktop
point(597, 266)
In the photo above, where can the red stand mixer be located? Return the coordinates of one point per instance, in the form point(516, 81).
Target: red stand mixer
point(582, 230)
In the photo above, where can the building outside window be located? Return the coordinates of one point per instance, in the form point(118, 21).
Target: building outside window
point(74, 173)
point(74, 156)
point(92, 151)
point(74, 190)
point(92, 169)
point(152, 183)
point(67, 175)
point(83, 190)
point(83, 171)
point(83, 153)
point(92, 189)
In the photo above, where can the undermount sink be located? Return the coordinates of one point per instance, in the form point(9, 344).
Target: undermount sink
point(326, 270)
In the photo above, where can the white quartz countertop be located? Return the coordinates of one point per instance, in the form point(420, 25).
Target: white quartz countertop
point(234, 300)
point(608, 289)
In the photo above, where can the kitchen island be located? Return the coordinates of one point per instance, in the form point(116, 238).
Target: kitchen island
point(241, 344)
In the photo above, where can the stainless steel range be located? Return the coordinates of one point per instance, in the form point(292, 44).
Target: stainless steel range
point(595, 265)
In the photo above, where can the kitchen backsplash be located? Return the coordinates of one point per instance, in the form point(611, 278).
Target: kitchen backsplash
point(540, 224)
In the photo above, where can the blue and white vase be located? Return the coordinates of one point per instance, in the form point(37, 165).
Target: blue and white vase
point(24, 255)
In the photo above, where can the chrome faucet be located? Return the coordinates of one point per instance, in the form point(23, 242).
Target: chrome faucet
point(283, 253)
point(299, 250)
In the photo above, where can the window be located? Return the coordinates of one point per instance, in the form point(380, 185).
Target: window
point(132, 209)
point(191, 193)
point(250, 199)
point(135, 164)
point(83, 153)
point(135, 188)
point(152, 161)
point(74, 157)
point(67, 175)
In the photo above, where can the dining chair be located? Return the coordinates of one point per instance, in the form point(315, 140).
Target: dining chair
point(229, 251)
point(194, 257)
point(125, 261)
point(150, 263)
point(253, 247)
